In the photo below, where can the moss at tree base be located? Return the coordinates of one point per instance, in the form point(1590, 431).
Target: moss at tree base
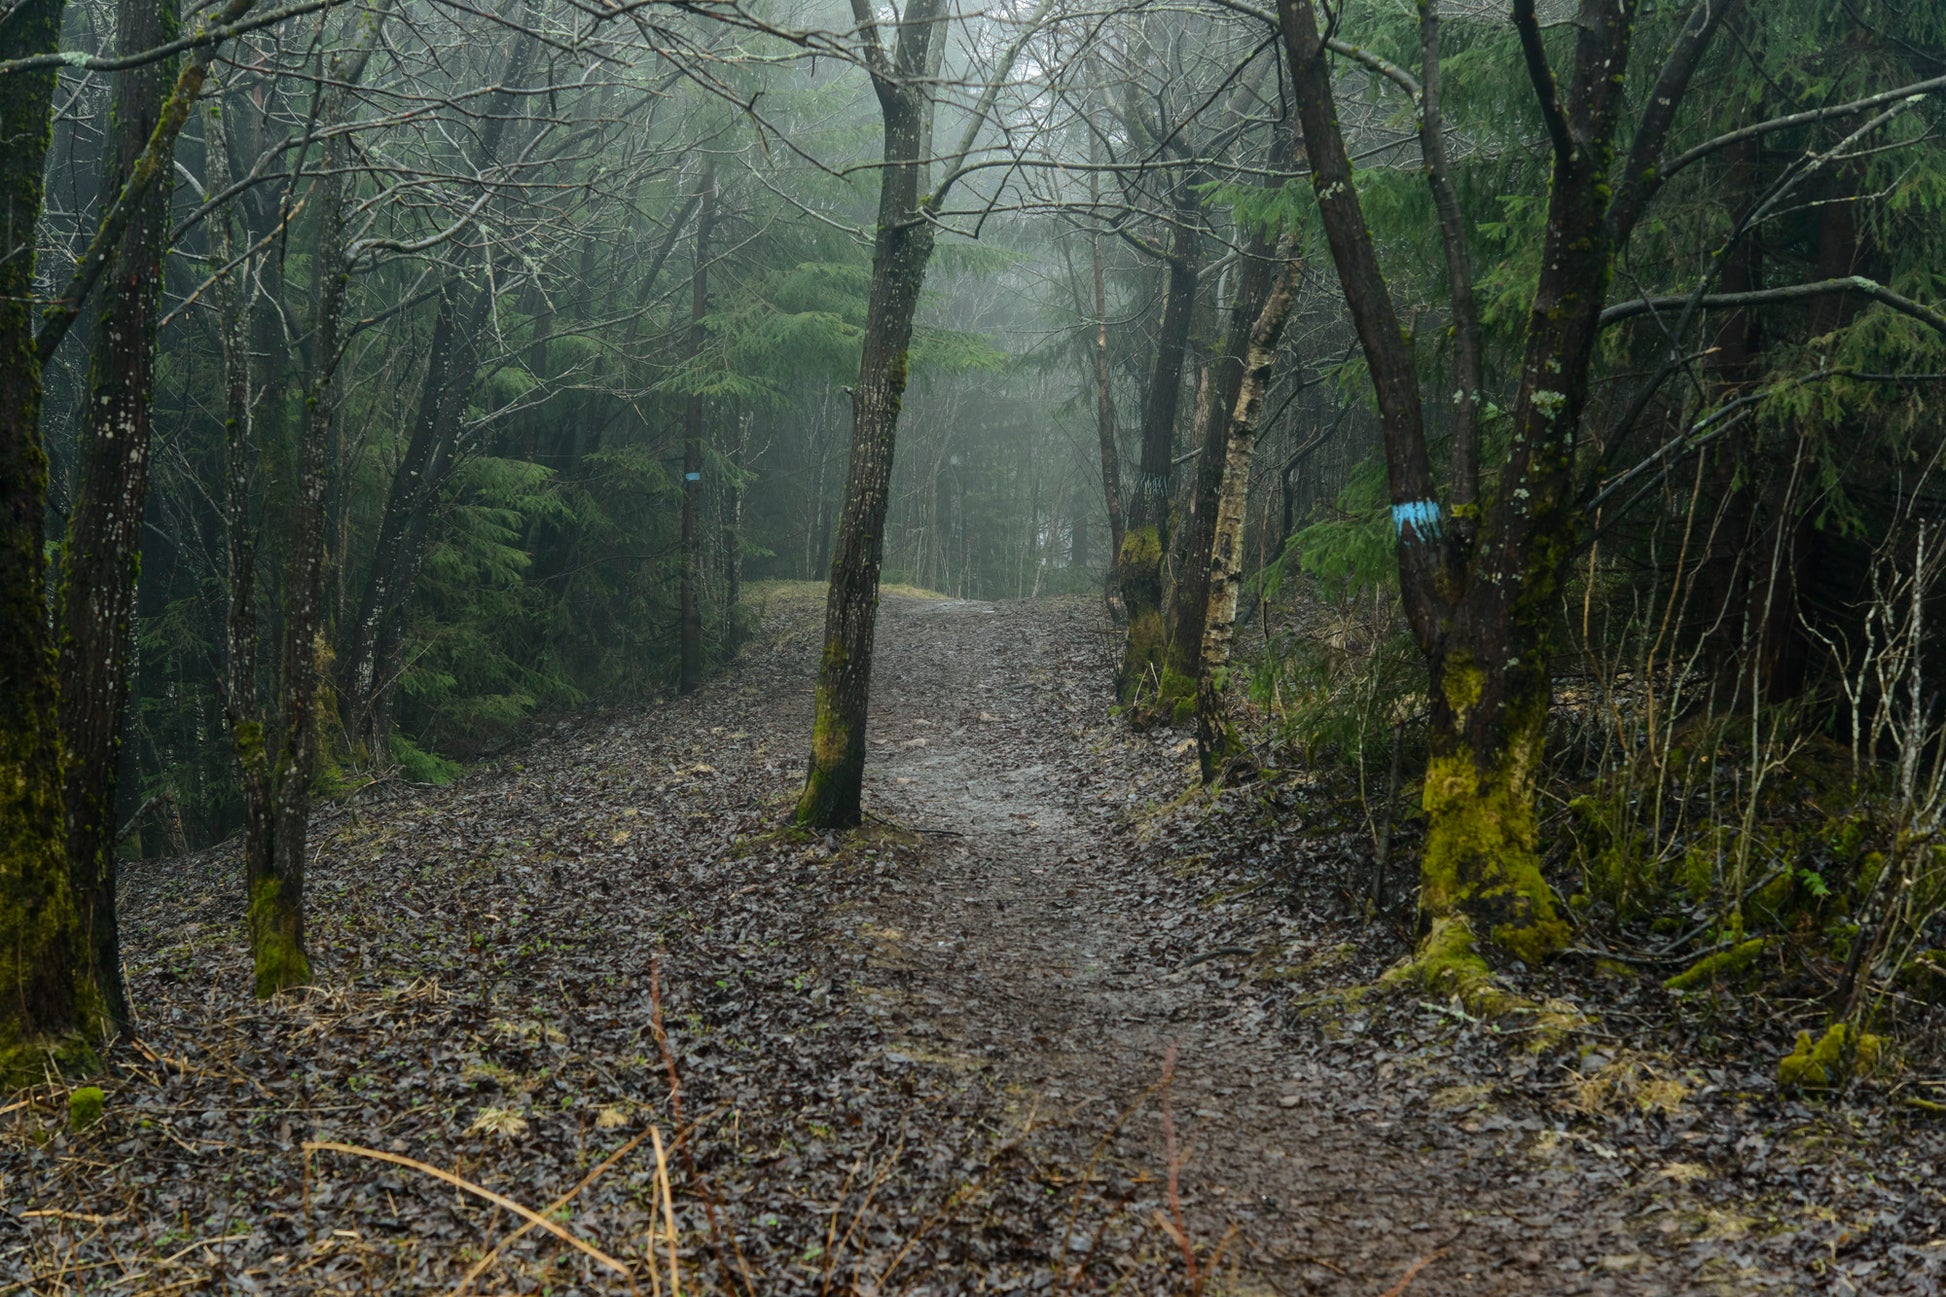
point(1481, 858)
point(25, 1063)
point(1138, 570)
point(280, 960)
point(1448, 964)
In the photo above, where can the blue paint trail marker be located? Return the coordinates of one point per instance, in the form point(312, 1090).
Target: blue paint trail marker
point(692, 477)
point(1420, 515)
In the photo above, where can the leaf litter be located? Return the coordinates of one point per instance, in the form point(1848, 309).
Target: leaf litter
point(595, 1006)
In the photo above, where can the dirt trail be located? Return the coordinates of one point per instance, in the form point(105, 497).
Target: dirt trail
point(1028, 945)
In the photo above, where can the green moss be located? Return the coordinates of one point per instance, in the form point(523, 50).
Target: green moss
point(1141, 549)
point(1841, 1053)
point(1697, 873)
point(1720, 966)
point(1481, 857)
point(249, 742)
point(830, 736)
point(1869, 869)
point(1448, 964)
point(1772, 903)
point(1924, 975)
point(1178, 695)
point(85, 1106)
point(280, 960)
point(1844, 837)
point(1463, 683)
point(1447, 961)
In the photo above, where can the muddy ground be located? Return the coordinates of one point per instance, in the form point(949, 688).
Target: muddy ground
point(930, 1057)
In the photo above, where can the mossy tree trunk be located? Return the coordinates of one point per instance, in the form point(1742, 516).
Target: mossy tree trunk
point(47, 1001)
point(1216, 742)
point(103, 553)
point(690, 674)
point(274, 864)
point(276, 878)
point(230, 271)
point(1145, 539)
point(901, 251)
point(1479, 591)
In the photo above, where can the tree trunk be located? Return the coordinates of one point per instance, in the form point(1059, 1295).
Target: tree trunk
point(275, 878)
point(277, 889)
point(1216, 741)
point(691, 670)
point(366, 679)
point(1111, 466)
point(1190, 596)
point(1480, 608)
point(733, 536)
point(373, 659)
point(47, 1001)
point(103, 554)
point(834, 782)
point(240, 701)
point(1138, 560)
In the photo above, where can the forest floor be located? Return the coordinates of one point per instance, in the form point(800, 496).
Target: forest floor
point(930, 1057)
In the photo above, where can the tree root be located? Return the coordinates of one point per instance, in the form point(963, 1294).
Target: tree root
point(1448, 964)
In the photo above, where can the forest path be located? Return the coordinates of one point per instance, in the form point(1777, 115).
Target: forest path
point(1040, 943)
point(910, 1062)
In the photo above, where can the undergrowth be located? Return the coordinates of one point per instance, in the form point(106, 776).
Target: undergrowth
point(1695, 831)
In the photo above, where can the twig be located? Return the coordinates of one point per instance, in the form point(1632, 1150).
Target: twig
point(1411, 1272)
point(1219, 953)
point(480, 1266)
point(1181, 1230)
point(478, 1191)
point(668, 1212)
point(681, 1134)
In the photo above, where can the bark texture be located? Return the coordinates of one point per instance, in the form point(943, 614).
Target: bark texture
point(901, 251)
point(1138, 560)
point(1190, 596)
point(1216, 742)
point(694, 412)
point(46, 1000)
point(103, 554)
